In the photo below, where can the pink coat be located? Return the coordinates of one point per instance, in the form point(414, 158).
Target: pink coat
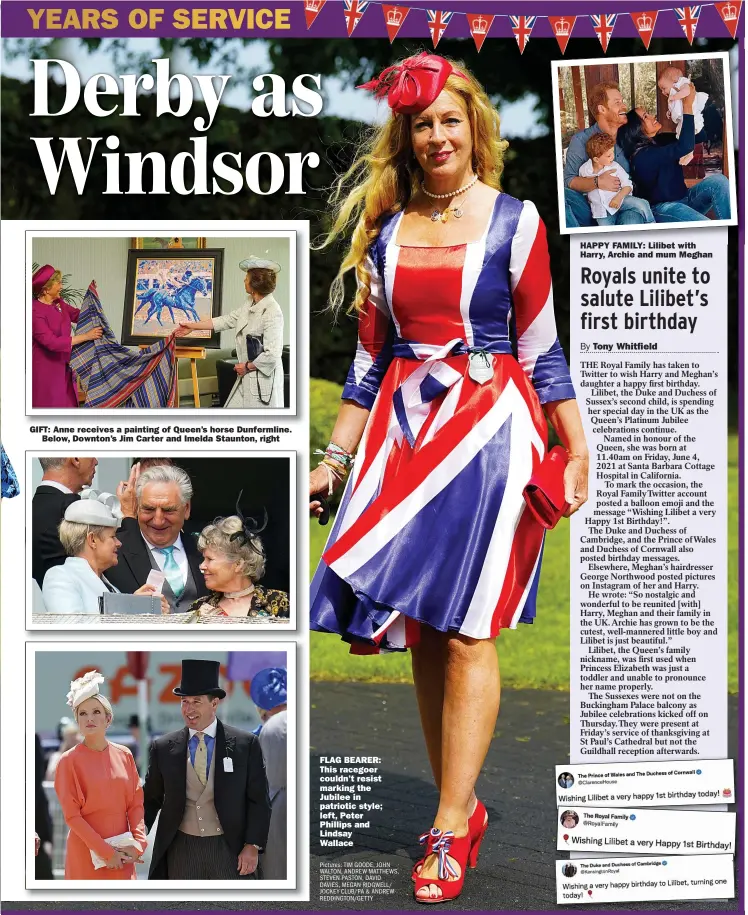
point(52, 381)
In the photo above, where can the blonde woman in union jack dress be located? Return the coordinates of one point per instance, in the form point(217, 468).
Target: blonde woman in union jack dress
point(432, 548)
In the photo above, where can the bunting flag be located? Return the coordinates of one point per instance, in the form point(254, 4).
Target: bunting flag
point(688, 16)
point(645, 24)
point(394, 17)
point(603, 26)
point(562, 26)
point(729, 13)
point(480, 24)
point(438, 22)
point(522, 26)
point(353, 11)
point(479, 27)
point(312, 9)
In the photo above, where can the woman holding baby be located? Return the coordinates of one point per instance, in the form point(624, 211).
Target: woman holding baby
point(657, 169)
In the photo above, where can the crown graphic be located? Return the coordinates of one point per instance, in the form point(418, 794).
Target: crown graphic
point(394, 17)
point(644, 23)
point(480, 26)
point(313, 6)
point(729, 12)
point(562, 28)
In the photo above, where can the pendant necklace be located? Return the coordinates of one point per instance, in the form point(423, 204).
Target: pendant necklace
point(438, 215)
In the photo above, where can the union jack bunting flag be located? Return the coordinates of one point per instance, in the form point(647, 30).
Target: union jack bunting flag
point(522, 26)
point(688, 16)
point(603, 26)
point(353, 12)
point(438, 22)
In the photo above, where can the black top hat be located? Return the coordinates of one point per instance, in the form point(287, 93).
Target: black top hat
point(200, 678)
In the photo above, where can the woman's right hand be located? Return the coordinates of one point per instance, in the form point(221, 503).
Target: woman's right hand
point(319, 482)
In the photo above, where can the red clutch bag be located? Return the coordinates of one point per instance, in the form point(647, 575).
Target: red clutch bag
point(544, 494)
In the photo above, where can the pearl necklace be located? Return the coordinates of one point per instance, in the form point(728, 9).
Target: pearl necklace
point(438, 215)
point(465, 187)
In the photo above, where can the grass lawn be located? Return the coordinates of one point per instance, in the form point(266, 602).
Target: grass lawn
point(535, 656)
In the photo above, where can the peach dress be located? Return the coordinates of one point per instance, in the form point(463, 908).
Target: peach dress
point(101, 797)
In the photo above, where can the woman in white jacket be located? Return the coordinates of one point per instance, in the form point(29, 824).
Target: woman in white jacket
point(260, 376)
point(88, 534)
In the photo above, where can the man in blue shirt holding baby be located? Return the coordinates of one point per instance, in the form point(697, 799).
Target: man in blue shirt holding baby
point(609, 112)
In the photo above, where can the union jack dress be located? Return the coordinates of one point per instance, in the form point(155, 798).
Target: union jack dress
point(432, 527)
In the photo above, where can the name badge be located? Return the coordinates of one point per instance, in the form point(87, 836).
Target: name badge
point(228, 764)
point(481, 367)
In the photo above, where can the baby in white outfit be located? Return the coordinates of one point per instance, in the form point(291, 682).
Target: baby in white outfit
point(675, 86)
point(601, 151)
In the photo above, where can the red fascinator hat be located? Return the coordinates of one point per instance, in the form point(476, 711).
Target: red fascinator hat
point(414, 84)
point(41, 277)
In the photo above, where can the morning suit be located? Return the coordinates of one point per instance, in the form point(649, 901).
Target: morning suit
point(135, 561)
point(233, 804)
point(47, 510)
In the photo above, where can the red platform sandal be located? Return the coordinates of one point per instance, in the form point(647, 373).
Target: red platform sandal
point(477, 826)
point(453, 853)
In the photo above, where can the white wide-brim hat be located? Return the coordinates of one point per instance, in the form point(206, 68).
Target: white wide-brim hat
point(89, 511)
point(258, 263)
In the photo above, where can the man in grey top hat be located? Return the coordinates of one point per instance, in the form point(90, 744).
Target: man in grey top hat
point(208, 782)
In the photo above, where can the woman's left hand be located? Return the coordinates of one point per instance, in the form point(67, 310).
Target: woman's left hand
point(575, 483)
point(243, 368)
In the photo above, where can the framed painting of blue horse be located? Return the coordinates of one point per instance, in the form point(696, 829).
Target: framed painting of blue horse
point(167, 287)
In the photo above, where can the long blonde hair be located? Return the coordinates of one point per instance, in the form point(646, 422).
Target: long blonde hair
point(385, 175)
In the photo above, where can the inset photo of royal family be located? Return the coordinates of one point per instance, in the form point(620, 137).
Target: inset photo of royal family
point(153, 541)
point(644, 143)
point(161, 766)
point(161, 322)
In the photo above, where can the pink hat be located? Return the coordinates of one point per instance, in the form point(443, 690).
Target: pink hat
point(414, 84)
point(41, 277)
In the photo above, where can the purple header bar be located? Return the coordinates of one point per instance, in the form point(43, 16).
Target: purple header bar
point(278, 19)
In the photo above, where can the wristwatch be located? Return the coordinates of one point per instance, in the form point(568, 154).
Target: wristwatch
point(595, 180)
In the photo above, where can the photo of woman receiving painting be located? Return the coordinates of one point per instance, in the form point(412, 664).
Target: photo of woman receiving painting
point(140, 328)
point(447, 427)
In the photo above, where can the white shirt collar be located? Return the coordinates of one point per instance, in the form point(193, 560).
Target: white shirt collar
point(55, 485)
point(210, 730)
point(177, 544)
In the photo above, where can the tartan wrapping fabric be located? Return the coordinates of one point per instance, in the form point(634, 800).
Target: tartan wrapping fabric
point(113, 375)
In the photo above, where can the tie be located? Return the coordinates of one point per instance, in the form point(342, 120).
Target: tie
point(201, 759)
point(171, 570)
